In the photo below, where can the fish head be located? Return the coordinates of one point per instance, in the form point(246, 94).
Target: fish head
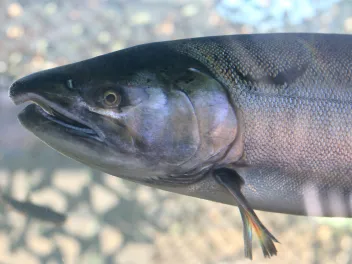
point(145, 114)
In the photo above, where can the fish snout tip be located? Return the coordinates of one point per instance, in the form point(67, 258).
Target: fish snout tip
point(16, 92)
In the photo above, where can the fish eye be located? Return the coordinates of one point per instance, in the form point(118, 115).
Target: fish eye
point(111, 98)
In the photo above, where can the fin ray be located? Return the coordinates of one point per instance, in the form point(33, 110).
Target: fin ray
point(249, 218)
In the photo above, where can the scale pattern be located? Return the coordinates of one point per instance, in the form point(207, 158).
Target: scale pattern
point(294, 92)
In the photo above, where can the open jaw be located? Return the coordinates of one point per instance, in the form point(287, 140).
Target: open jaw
point(71, 125)
point(43, 112)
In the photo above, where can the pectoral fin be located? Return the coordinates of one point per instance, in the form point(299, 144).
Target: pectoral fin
point(233, 182)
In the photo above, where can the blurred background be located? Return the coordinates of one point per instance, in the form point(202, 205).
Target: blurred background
point(114, 221)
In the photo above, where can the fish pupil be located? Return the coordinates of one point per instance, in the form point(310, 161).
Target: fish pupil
point(110, 98)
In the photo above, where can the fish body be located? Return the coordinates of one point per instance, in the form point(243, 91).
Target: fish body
point(293, 95)
point(259, 121)
point(29, 209)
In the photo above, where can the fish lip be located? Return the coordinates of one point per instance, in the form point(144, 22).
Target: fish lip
point(48, 108)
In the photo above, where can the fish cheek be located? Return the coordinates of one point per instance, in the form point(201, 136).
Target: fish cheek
point(165, 132)
point(184, 139)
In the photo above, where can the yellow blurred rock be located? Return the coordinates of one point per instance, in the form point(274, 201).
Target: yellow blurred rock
point(324, 233)
point(17, 220)
point(343, 258)
point(20, 187)
point(166, 28)
point(3, 68)
point(117, 45)
point(82, 225)
point(189, 10)
point(14, 31)
point(110, 240)
point(346, 243)
point(71, 181)
point(116, 184)
point(38, 244)
point(4, 248)
point(102, 199)
point(37, 62)
point(144, 195)
point(22, 256)
point(348, 24)
point(15, 10)
point(15, 58)
point(141, 18)
point(104, 37)
point(135, 253)
point(69, 247)
point(51, 198)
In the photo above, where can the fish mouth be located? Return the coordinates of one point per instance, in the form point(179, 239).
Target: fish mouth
point(66, 122)
point(57, 116)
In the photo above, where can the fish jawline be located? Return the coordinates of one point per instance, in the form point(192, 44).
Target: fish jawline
point(31, 115)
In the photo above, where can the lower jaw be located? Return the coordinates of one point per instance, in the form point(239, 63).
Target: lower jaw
point(33, 115)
